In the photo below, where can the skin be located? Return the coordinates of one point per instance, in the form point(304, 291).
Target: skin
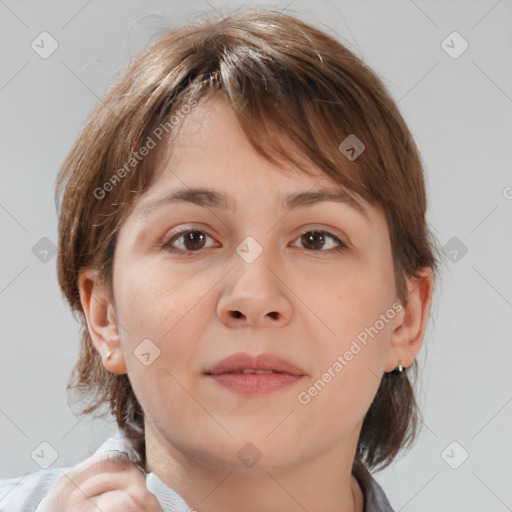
point(185, 304)
point(106, 482)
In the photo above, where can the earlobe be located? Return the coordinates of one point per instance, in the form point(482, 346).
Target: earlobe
point(407, 337)
point(101, 320)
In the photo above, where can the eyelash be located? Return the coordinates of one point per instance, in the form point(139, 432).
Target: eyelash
point(168, 244)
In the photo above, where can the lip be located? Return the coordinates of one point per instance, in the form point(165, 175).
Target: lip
point(240, 361)
point(228, 374)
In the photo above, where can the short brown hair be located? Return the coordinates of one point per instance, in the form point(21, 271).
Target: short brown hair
point(280, 75)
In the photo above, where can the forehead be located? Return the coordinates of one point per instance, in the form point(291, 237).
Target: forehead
point(211, 132)
point(208, 152)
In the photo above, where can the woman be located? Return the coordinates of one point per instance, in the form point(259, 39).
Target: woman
point(242, 233)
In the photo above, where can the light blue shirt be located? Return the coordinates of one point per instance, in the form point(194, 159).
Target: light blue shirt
point(25, 493)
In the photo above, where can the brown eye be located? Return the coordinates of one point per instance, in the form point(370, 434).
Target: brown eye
point(194, 240)
point(313, 240)
point(190, 241)
point(317, 241)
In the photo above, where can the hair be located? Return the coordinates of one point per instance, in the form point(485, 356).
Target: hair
point(280, 76)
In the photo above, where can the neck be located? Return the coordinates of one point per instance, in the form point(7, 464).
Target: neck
point(323, 484)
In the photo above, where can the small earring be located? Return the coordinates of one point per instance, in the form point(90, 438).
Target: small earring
point(399, 368)
point(108, 355)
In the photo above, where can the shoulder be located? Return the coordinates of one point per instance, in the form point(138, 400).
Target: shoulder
point(375, 500)
point(25, 492)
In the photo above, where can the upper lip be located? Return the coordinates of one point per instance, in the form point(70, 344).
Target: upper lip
point(242, 361)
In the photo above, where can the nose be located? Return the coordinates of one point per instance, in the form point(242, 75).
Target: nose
point(256, 295)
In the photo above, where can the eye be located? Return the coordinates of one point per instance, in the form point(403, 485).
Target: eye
point(192, 240)
point(315, 240)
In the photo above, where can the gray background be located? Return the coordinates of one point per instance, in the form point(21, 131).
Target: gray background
point(459, 110)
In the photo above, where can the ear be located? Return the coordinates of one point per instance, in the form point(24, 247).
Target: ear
point(101, 321)
point(407, 337)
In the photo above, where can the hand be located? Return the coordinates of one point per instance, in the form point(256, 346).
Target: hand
point(109, 482)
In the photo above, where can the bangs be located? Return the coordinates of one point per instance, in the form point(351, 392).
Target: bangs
point(294, 105)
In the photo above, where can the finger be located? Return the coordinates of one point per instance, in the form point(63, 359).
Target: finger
point(76, 485)
point(108, 463)
point(122, 501)
point(114, 501)
point(130, 480)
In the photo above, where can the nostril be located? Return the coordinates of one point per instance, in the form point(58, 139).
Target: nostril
point(237, 314)
point(274, 314)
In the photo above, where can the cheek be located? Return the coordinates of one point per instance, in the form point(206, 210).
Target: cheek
point(161, 316)
point(156, 299)
point(354, 303)
point(351, 357)
point(339, 395)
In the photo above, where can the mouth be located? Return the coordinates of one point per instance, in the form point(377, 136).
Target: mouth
point(251, 370)
point(242, 363)
point(246, 374)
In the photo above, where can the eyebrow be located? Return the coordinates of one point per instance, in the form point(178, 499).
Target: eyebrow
point(208, 198)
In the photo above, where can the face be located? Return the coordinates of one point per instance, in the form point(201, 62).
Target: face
point(195, 283)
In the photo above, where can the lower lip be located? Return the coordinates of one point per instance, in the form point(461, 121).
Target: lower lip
point(254, 383)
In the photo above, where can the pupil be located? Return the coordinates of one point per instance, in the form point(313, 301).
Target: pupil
point(190, 237)
point(315, 234)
